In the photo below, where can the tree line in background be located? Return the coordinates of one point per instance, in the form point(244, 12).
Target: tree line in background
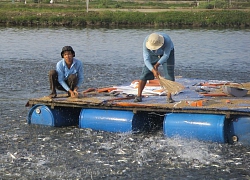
point(144, 4)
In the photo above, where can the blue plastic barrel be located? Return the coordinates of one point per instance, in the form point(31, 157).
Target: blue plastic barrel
point(240, 130)
point(59, 116)
point(111, 120)
point(205, 127)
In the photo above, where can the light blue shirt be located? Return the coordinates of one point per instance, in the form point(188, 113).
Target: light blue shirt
point(151, 57)
point(64, 72)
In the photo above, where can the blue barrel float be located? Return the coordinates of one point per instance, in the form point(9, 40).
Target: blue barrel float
point(58, 116)
point(240, 130)
point(205, 127)
point(113, 120)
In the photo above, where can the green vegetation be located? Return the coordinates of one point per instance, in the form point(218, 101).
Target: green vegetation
point(123, 13)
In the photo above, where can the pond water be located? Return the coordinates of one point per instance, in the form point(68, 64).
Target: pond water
point(111, 57)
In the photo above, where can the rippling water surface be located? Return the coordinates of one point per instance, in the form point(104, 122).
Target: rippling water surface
point(111, 57)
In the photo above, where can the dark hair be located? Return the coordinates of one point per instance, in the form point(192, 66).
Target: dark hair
point(68, 48)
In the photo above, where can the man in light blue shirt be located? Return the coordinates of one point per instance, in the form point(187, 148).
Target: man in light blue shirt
point(158, 49)
point(68, 75)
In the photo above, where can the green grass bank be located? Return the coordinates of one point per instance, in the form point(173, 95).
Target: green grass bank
point(38, 14)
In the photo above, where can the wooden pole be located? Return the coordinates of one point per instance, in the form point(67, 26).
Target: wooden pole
point(87, 4)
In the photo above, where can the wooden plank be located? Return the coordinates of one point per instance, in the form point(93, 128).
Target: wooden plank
point(218, 106)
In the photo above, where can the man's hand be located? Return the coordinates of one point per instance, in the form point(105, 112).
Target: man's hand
point(156, 73)
point(156, 66)
point(155, 70)
point(73, 93)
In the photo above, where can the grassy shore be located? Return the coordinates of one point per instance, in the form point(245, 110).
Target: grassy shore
point(36, 14)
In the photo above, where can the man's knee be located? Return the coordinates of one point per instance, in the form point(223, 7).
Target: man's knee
point(52, 73)
point(72, 77)
point(72, 81)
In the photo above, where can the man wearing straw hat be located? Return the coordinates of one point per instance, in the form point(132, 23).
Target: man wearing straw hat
point(158, 49)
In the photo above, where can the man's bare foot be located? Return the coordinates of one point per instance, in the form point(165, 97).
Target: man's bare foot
point(52, 95)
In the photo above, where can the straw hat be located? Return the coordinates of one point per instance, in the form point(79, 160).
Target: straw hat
point(155, 41)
